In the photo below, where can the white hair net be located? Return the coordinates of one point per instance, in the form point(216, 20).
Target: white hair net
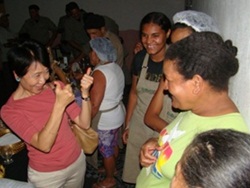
point(199, 21)
point(104, 49)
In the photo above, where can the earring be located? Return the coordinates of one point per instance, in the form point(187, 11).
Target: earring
point(18, 79)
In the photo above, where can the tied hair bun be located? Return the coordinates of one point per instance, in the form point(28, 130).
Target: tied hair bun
point(233, 66)
point(232, 49)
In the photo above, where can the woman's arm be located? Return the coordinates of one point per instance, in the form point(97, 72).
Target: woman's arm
point(97, 92)
point(130, 107)
point(44, 139)
point(132, 101)
point(84, 118)
point(152, 116)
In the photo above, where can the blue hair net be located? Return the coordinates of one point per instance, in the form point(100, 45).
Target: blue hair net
point(104, 49)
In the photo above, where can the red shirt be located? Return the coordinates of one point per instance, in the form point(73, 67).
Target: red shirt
point(29, 115)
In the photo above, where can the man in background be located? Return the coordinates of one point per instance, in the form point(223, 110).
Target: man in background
point(95, 27)
point(38, 28)
point(74, 33)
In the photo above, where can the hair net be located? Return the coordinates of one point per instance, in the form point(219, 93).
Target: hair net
point(199, 21)
point(104, 49)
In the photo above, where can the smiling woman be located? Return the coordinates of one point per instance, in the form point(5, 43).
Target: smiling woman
point(197, 71)
point(147, 73)
point(39, 115)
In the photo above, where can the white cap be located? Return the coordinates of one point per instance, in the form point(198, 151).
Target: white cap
point(199, 21)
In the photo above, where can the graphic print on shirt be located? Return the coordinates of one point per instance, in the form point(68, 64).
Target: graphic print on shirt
point(166, 152)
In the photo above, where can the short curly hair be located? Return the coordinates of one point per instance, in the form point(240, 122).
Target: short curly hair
point(207, 55)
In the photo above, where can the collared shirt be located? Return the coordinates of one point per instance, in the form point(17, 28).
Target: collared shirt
point(40, 30)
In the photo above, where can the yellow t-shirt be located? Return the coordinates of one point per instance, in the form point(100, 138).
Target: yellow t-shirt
point(175, 139)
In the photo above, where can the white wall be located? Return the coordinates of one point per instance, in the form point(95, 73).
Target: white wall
point(127, 13)
point(233, 18)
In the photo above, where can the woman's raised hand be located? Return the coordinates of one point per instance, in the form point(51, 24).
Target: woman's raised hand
point(138, 47)
point(64, 95)
point(86, 82)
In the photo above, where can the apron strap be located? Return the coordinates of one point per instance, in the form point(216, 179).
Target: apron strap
point(144, 68)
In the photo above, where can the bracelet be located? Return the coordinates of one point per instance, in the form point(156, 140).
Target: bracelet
point(86, 98)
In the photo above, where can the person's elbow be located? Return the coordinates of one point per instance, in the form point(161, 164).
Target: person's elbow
point(46, 149)
point(148, 118)
point(43, 148)
point(94, 111)
point(41, 145)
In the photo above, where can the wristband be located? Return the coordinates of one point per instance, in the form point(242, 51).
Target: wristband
point(86, 98)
